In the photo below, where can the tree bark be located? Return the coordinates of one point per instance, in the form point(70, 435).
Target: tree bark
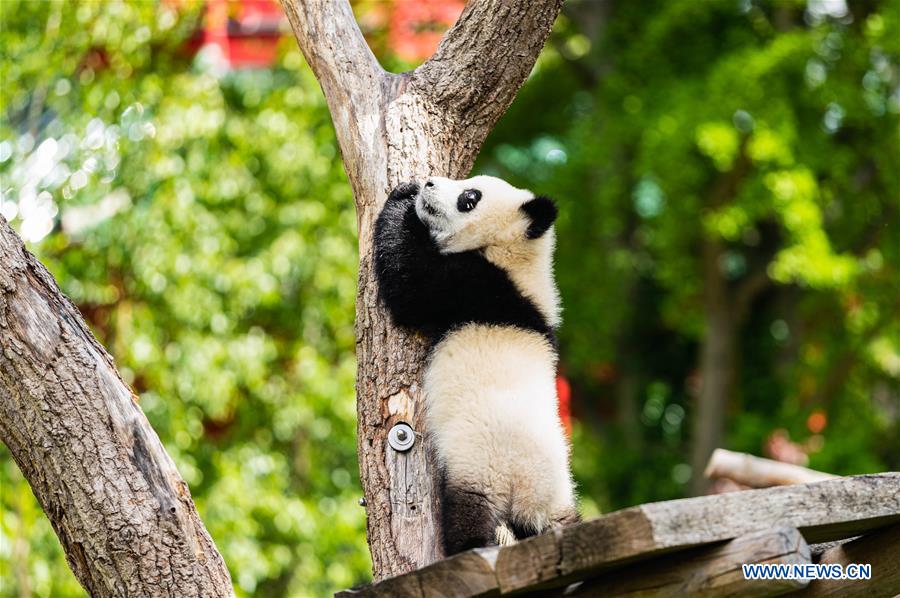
point(393, 128)
point(122, 512)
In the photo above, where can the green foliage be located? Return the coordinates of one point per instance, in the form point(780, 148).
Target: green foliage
point(766, 131)
point(203, 224)
point(205, 228)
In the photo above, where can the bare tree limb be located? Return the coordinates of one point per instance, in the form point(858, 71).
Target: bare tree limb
point(122, 512)
point(337, 54)
point(350, 76)
point(757, 472)
point(393, 128)
point(483, 60)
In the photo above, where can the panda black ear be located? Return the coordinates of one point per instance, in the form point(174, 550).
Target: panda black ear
point(541, 211)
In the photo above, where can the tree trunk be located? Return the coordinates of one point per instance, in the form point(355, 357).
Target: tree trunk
point(394, 128)
point(122, 512)
point(717, 362)
point(725, 310)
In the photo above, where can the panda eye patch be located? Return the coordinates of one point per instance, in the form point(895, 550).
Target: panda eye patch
point(467, 200)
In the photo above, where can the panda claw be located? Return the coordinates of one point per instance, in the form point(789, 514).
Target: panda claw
point(404, 191)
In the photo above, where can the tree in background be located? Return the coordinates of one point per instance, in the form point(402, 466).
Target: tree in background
point(730, 197)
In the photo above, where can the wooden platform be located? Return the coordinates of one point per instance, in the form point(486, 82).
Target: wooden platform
point(694, 546)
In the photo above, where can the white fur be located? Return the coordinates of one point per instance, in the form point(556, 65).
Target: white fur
point(497, 227)
point(490, 391)
point(529, 264)
point(492, 408)
point(496, 221)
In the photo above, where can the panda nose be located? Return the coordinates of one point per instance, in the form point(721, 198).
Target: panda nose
point(429, 183)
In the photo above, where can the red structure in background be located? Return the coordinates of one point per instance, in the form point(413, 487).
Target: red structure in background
point(246, 32)
point(416, 28)
point(407, 29)
point(564, 395)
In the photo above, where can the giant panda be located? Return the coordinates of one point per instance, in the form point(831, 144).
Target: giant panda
point(469, 264)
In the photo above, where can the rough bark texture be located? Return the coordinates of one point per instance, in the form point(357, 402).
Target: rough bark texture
point(122, 512)
point(394, 128)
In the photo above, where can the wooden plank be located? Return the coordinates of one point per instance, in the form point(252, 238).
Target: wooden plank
point(819, 547)
point(463, 575)
point(707, 571)
point(822, 511)
point(881, 549)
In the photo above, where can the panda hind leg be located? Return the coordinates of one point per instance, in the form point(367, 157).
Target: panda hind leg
point(469, 520)
point(523, 531)
point(561, 519)
point(568, 517)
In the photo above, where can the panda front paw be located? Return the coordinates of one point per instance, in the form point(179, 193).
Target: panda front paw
point(404, 191)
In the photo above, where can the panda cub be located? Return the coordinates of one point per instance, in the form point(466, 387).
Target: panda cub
point(470, 265)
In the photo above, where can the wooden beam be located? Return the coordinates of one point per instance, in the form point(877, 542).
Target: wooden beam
point(757, 472)
point(708, 571)
point(461, 576)
point(821, 511)
point(881, 549)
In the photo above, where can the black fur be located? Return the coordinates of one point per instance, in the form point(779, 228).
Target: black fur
point(467, 200)
point(520, 531)
point(433, 292)
point(468, 519)
point(542, 213)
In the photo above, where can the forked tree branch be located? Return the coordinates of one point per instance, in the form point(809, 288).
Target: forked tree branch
point(122, 512)
point(463, 88)
point(393, 128)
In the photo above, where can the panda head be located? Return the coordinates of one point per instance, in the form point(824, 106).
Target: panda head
point(482, 212)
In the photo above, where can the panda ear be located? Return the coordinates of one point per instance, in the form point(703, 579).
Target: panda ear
point(541, 211)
